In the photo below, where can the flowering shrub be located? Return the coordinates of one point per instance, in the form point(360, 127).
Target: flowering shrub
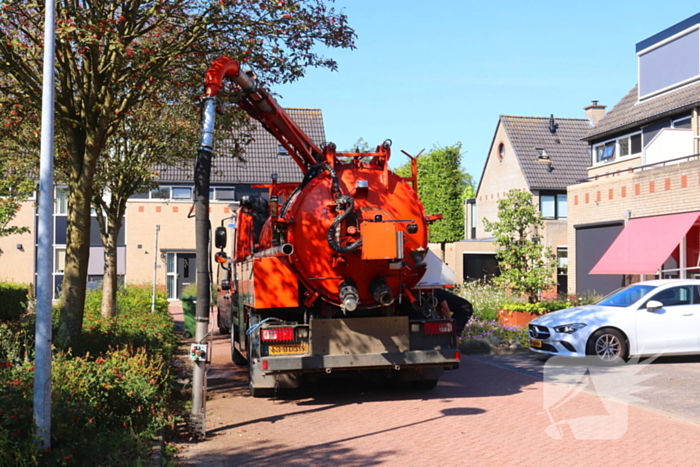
point(107, 401)
point(485, 297)
point(494, 332)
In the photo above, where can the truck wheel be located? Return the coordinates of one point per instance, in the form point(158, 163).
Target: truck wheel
point(223, 329)
point(425, 385)
point(261, 392)
point(236, 357)
point(257, 391)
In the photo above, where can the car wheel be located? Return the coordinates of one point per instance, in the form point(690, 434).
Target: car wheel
point(609, 345)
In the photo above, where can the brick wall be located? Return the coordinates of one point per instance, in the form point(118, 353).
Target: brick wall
point(177, 232)
point(17, 265)
point(652, 192)
point(498, 178)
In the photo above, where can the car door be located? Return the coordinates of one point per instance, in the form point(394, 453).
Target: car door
point(674, 326)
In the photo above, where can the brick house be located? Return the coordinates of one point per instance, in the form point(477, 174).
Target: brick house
point(167, 207)
point(636, 214)
point(536, 154)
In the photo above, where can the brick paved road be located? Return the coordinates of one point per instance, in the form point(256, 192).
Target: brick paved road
point(479, 415)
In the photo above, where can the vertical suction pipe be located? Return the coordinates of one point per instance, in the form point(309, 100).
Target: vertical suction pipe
point(206, 140)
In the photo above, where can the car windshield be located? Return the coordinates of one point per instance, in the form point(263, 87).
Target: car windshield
point(626, 296)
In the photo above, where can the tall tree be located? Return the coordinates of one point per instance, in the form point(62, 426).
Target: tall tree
point(112, 55)
point(18, 166)
point(526, 265)
point(162, 131)
point(442, 184)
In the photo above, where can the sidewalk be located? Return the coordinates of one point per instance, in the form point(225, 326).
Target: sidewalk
point(479, 415)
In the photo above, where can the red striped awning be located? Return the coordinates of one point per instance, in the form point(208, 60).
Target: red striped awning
point(645, 244)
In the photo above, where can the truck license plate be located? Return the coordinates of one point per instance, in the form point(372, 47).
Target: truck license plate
point(535, 343)
point(288, 349)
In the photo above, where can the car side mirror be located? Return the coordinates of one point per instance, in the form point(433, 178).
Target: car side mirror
point(653, 305)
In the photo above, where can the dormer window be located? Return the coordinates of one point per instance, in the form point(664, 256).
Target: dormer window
point(682, 123)
point(605, 152)
point(282, 151)
point(620, 148)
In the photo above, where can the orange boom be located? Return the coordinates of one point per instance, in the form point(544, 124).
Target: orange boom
point(333, 273)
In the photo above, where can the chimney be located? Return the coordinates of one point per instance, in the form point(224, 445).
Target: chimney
point(595, 112)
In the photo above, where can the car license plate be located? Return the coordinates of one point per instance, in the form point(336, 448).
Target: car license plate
point(288, 349)
point(535, 343)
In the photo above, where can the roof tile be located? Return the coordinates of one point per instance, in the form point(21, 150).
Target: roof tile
point(629, 113)
point(567, 152)
point(261, 157)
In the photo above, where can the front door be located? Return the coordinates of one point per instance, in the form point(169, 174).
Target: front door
point(186, 271)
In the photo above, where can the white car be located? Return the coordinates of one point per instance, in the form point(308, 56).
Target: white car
point(646, 318)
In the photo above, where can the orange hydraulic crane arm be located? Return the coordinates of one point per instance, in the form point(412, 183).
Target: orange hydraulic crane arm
point(258, 103)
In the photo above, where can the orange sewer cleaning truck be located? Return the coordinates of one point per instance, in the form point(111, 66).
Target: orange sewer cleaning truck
point(332, 274)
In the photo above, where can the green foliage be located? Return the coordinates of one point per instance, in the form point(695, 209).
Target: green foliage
point(111, 397)
point(191, 289)
point(18, 167)
point(495, 333)
point(14, 299)
point(526, 265)
point(17, 341)
point(114, 58)
point(134, 322)
point(486, 298)
point(442, 185)
point(538, 308)
point(361, 146)
point(584, 298)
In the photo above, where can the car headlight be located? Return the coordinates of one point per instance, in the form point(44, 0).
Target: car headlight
point(569, 328)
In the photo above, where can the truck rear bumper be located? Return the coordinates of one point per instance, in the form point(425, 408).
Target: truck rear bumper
point(446, 358)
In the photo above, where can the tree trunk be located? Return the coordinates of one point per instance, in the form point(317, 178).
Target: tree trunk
point(109, 281)
point(83, 153)
point(75, 274)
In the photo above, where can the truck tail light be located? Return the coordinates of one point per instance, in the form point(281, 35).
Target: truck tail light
point(277, 334)
point(438, 327)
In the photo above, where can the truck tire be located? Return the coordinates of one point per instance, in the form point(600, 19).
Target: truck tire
point(256, 391)
point(236, 357)
point(223, 329)
point(425, 385)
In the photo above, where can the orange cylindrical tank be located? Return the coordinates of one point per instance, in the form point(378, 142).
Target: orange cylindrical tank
point(386, 219)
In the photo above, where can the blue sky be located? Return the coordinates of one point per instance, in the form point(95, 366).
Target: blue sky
point(442, 71)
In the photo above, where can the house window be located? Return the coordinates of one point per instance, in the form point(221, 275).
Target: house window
point(60, 260)
point(162, 192)
point(282, 151)
point(227, 193)
point(473, 223)
point(61, 201)
point(682, 123)
point(562, 261)
point(181, 192)
point(170, 275)
point(501, 151)
point(628, 145)
point(553, 205)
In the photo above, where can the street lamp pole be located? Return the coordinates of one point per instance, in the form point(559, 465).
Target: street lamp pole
point(44, 286)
